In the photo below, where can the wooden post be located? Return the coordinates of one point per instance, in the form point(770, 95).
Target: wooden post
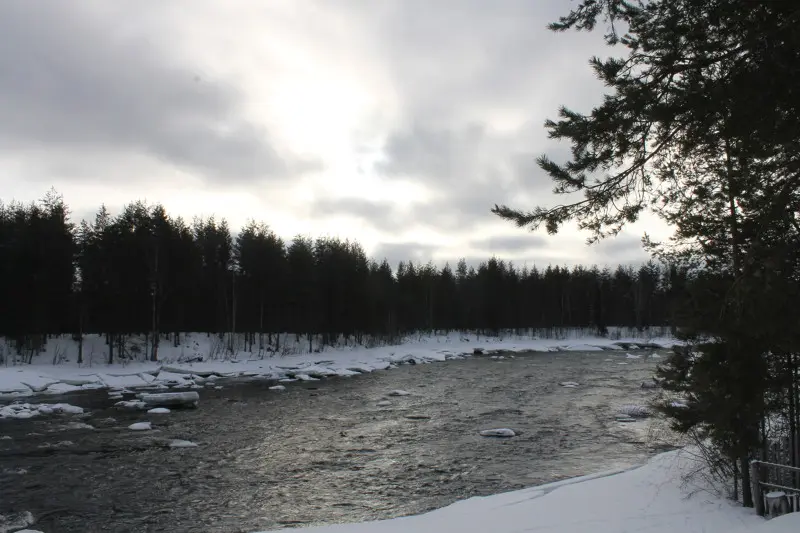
point(755, 478)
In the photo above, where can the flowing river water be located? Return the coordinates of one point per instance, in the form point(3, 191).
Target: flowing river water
point(325, 452)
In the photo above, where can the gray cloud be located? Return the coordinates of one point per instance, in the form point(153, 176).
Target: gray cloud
point(77, 77)
point(382, 215)
point(396, 252)
point(468, 170)
point(450, 55)
point(457, 66)
point(624, 248)
point(510, 243)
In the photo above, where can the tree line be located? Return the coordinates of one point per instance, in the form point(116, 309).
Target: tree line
point(697, 128)
point(144, 271)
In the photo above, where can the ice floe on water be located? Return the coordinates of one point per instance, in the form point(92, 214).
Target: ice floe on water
point(158, 411)
point(570, 384)
point(141, 426)
point(30, 410)
point(634, 411)
point(61, 444)
point(131, 405)
point(16, 521)
point(277, 387)
point(499, 432)
point(180, 443)
point(78, 425)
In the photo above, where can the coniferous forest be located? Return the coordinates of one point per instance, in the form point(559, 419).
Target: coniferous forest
point(691, 130)
point(144, 271)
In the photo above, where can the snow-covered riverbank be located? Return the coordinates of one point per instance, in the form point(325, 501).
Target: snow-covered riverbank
point(44, 377)
point(655, 498)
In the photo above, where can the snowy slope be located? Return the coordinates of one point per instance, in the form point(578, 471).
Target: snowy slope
point(653, 499)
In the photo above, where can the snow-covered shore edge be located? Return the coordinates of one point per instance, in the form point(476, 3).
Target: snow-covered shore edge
point(43, 377)
point(660, 496)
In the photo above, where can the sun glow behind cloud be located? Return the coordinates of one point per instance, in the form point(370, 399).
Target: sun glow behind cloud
point(396, 123)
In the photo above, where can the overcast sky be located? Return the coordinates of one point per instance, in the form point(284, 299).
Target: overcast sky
point(399, 123)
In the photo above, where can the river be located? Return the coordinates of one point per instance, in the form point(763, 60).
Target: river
point(325, 452)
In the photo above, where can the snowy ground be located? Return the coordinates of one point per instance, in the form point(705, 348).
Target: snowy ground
point(45, 377)
point(655, 498)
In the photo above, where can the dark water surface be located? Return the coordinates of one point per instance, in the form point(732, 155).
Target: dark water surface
point(325, 452)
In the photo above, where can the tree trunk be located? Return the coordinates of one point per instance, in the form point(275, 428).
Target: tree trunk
point(734, 221)
point(261, 325)
point(80, 339)
point(154, 349)
point(747, 495)
point(110, 341)
point(794, 445)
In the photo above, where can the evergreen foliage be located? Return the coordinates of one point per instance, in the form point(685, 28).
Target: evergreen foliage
point(145, 272)
point(700, 127)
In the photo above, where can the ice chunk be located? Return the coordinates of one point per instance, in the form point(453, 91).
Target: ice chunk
point(78, 425)
point(159, 411)
point(174, 378)
point(13, 522)
point(61, 388)
point(140, 426)
point(26, 410)
point(185, 399)
point(179, 443)
point(384, 403)
point(277, 387)
point(635, 411)
point(66, 408)
point(131, 405)
point(570, 384)
point(500, 432)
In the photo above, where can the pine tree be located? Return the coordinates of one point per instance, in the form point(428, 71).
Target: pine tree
point(690, 132)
